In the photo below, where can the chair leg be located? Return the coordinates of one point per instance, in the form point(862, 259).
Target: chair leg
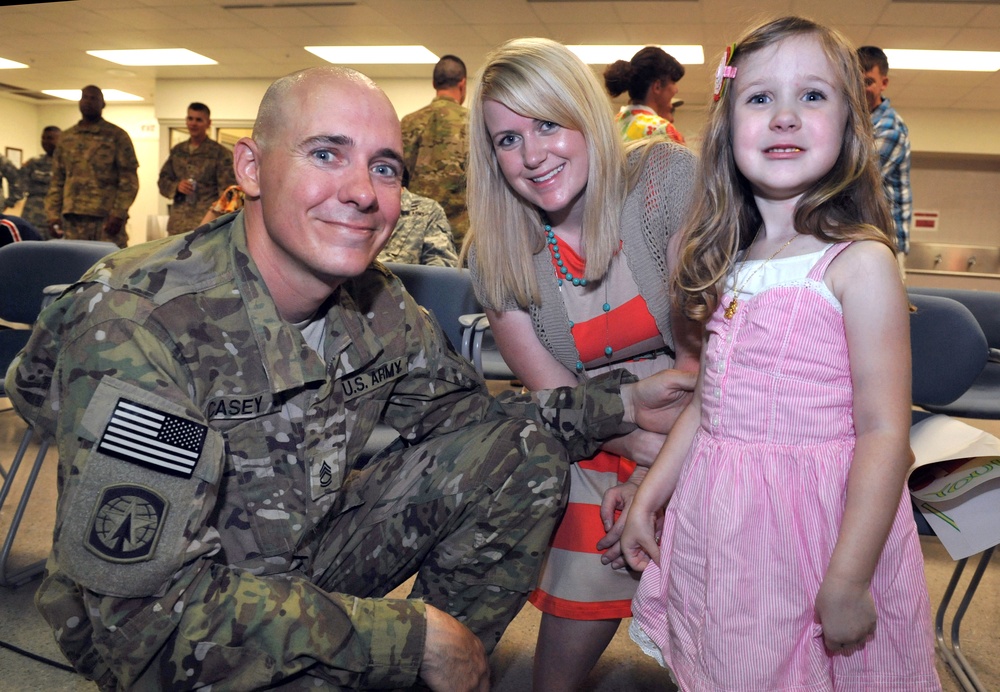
point(956, 624)
point(27, 573)
point(952, 651)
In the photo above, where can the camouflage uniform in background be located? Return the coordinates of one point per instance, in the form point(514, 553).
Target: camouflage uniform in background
point(214, 524)
point(93, 177)
point(422, 234)
point(436, 152)
point(36, 174)
point(211, 165)
point(15, 184)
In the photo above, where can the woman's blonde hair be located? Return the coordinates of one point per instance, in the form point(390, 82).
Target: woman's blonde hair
point(543, 80)
point(848, 203)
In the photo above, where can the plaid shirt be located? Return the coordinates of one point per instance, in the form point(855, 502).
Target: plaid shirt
point(892, 139)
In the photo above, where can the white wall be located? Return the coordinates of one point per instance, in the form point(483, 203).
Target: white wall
point(234, 103)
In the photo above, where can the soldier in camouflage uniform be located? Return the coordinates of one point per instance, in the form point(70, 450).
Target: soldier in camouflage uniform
point(422, 234)
point(15, 185)
point(94, 179)
point(37, 173)
point(206, 162)
point(210, 394)
point(436, 145)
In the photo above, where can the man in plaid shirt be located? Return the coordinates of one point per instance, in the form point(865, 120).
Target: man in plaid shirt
point(892, 139)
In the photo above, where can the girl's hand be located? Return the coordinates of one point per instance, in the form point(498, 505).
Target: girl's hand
point(846, 612)
point(614, 513)
point(641, 537)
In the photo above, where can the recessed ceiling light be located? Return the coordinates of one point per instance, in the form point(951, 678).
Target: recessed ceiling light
point(152, 57)
point(605, 55)
point(956, 60)
point(6, 64)
point(109, 95)
point(374, 55)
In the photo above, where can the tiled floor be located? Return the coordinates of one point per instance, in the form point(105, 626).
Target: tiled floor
point(621, 668)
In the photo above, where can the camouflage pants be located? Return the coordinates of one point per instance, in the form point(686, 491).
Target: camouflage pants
point(81, 227)
point(470, 513)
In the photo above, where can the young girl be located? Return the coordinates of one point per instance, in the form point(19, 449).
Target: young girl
point(789, 557)
point(569, 253)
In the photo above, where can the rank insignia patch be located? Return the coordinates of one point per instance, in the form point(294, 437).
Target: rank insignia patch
point(127, 523)
point(154, 439)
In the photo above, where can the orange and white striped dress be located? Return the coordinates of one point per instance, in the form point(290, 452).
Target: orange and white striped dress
point(573, 583)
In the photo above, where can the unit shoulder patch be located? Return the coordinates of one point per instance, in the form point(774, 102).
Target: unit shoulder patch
point(126, 523)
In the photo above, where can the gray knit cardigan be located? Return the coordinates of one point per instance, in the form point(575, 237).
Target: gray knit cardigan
point(654, 210)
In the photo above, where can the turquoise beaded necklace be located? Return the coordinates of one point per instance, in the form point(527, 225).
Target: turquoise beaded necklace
point(567, 275)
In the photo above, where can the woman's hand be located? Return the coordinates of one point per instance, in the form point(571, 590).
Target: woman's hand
point(846, 612)
point(639, 446)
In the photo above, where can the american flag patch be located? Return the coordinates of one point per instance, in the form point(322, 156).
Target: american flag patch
point(152, 438)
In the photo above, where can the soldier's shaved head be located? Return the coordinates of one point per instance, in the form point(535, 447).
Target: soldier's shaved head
point(272, 111)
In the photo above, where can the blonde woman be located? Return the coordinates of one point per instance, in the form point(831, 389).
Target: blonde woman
point(570, 255)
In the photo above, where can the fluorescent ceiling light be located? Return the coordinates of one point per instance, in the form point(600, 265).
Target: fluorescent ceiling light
point(605, 55)
point(109, 95)
point(955, 60)
point(6, 64)
point(153, 56)
point(374, 55)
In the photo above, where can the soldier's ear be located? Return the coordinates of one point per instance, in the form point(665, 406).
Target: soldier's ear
point(246, 163)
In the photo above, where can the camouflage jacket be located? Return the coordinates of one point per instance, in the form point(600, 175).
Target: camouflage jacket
point(192, 569)
point(94, 172)
point(211, 166)
point(436, 152)
point(15, 183)
point(422, 234)
point(36, 174)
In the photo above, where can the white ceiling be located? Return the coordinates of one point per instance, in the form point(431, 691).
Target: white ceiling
point(264, 38)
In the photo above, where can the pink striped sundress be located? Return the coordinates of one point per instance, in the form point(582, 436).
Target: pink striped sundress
point(750, 529)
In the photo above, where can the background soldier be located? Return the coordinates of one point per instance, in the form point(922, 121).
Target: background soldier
point(37, 174)
point(422, 234)
point(436, 145)
point(195, 173)
point(15, 186)
point(94, 179)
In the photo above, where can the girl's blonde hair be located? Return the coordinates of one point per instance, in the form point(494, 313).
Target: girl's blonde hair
point(543, 80)
point(848, 203)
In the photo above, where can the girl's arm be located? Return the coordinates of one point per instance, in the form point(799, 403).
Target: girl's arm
point(866, 280)
point(640, 542)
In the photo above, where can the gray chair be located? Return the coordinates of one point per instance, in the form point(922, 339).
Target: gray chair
point(480, 348)
point(26, 269)
point(446, 292)
point(981, 399)
point(950, 353)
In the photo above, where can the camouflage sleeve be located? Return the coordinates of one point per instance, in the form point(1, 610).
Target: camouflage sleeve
point(15, 184)
point(167, 181)
point(583, 417)
point(54, 196)
point(128, 178)
point(137, 549)
point(443, 393)
point(225, 174)
point(439, 245)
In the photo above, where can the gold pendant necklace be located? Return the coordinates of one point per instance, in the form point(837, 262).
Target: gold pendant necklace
point(734, 303)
